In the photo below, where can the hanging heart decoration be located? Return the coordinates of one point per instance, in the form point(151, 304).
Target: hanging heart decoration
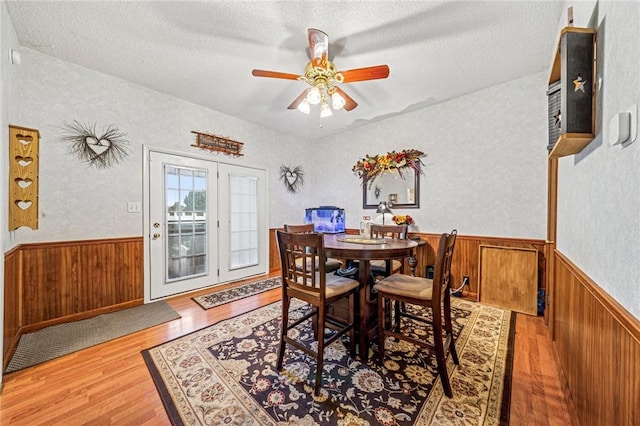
point(24, 204)
point(23, 161)
point(97, 145)
point(97, 150)
point(23, 183)
point(24, 140)
point(292, 178)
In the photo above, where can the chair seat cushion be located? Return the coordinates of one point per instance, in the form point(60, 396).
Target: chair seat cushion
point(335, 284)
point(382, 264)
point(330, 264)
point(406, 285)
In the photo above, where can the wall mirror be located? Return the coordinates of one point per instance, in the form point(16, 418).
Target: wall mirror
point(403, 192)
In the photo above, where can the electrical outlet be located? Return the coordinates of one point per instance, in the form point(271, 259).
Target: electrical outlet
point(465, 280)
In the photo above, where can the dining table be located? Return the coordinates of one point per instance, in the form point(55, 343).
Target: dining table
point(363, 249)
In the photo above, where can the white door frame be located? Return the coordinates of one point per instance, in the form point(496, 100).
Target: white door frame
point(146, 223)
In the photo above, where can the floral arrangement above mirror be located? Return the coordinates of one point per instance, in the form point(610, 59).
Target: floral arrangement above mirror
point(370, 167)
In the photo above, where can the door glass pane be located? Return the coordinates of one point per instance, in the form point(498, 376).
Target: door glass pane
point(243, 193)
point(186, 225)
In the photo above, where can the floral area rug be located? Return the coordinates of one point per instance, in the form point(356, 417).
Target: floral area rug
point(218, 298)
point(226, 374)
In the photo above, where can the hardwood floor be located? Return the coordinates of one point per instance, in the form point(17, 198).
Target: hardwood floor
point(109, 383)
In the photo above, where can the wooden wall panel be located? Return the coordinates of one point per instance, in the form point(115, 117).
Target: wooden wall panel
point(598, 346)
point(509, 278)
point(12, 300)
point(49, 283)
point(274, 256)
point(465, 259)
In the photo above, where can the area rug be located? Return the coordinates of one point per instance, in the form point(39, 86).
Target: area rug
point(221, 297)
point(225, 374)
point(62, 339)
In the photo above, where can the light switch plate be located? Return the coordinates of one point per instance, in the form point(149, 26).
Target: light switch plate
point(633, 123)
point(619, 128)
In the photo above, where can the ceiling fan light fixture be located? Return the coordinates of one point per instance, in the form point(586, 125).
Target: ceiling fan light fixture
point(338, 101)
point(304, 107)
point(314, 96)
point(325, 111)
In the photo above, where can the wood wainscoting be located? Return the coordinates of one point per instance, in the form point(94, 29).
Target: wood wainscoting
point(51, 283)
point(597, 343)
point(466, 260)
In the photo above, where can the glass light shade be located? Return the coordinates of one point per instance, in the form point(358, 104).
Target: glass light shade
point(338, 101)
point(325, 111)
point(383, 207)
point(313, 97)
point(304, 106)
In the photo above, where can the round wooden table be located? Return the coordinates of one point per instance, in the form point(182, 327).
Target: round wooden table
point(364, 250)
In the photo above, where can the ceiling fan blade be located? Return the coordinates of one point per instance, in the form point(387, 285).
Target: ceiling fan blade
point(318, 47)
point(298, 100)
point(349, 102)
point(274, 74)
point(368, 73)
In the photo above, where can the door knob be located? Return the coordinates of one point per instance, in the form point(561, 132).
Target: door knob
point(156, 235)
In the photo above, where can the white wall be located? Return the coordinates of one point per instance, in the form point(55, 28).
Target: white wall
point(80, 202)
point(485, 170)
point(598, 192)
point(9, 75)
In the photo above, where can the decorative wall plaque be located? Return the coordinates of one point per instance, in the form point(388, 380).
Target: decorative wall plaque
point(217, 144)
point(24, 148)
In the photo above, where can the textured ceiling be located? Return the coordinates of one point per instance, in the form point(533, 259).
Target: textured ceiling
point(204, 51)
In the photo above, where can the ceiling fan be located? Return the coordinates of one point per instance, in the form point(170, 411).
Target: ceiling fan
point(322, 75)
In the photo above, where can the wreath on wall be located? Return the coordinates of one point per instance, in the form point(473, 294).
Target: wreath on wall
point(99, 150)
point(292, 178)
point(370, 167)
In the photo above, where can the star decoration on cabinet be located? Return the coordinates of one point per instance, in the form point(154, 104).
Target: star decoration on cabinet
point(579, 84)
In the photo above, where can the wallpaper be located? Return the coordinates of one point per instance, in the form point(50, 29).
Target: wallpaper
point(598, 195)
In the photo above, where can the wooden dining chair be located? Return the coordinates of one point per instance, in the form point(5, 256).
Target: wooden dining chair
point(311, 283)
point(433, 294)
point(387, 267)
point(331, 264)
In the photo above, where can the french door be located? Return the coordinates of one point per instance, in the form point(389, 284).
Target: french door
point(207, 223)
point(183, 224)
point(243, 226)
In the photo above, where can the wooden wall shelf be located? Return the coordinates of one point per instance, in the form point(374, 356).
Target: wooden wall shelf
point(24, 148)
point(570, 143)
point(574, 68)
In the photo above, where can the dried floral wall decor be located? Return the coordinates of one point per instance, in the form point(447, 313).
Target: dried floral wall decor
point(218, 144)
point(292, 178)
point(370, 167)
point(99, 150)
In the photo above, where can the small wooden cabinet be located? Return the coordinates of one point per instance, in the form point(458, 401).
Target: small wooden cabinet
point(572, 88)
point(509, 278)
